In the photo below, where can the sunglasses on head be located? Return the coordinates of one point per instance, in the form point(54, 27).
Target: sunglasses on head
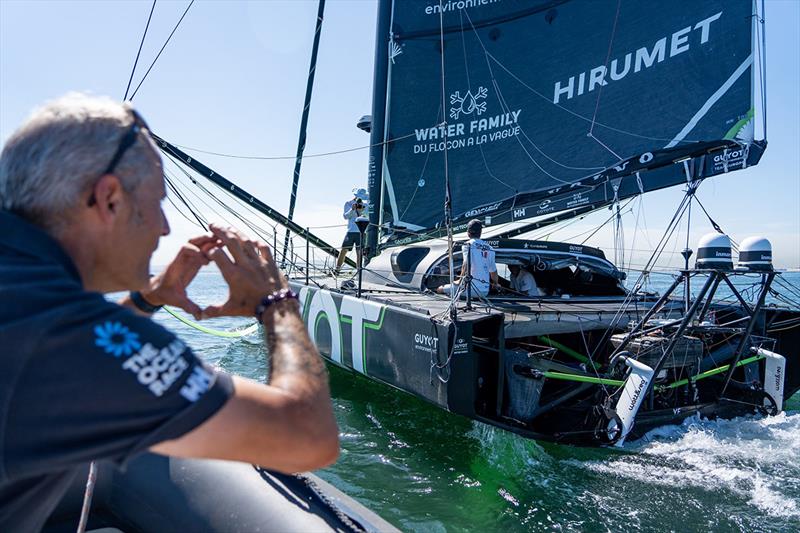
point(128, 140)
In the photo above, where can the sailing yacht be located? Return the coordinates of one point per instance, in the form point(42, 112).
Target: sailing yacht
point(525, 115)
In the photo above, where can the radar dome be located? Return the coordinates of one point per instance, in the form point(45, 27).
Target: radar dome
point(714, 252)
point(755, 253)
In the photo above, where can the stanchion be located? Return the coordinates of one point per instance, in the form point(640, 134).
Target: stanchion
point(362, 223)
point(308, 246)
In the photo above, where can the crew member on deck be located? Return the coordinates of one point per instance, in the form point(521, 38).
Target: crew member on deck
point(353, 208)
point(483, 269)
point(523, 281)
point(85, 379)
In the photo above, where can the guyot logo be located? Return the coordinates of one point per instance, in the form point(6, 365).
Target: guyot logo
point(468, 103)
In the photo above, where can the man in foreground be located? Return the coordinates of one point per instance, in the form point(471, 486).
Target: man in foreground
point(84, 379)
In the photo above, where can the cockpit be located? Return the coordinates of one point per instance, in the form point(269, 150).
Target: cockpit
point(553, 275)
point(557, 270)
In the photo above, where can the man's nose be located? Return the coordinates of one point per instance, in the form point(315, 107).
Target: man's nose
point(164, 224)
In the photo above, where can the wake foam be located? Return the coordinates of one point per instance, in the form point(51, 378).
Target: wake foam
point(754, 459)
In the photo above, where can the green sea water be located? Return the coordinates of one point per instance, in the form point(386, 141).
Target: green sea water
point(423, 469)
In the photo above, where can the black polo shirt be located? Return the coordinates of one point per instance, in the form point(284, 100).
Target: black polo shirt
point(81, 378)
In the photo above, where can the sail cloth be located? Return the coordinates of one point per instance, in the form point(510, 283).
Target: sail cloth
point(554, 105)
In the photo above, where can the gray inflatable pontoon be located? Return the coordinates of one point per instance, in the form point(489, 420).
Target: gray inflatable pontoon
point(163, 494)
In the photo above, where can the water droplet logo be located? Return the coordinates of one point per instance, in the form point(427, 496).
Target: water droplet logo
point(468, 103)
point(116, 339)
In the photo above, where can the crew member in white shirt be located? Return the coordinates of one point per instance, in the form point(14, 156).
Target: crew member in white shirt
point(523, 282)
point(483, 269)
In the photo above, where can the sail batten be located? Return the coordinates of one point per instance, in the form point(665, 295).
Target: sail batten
point(560, 105)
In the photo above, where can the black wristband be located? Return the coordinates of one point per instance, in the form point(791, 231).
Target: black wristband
point(141, 304)
point(275, 297)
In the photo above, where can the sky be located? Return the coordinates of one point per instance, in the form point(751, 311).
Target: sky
point(232, 80)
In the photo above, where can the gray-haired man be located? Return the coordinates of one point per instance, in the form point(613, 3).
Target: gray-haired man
point(85, 379)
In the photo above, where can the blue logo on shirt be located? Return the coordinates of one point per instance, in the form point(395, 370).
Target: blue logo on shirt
point(116, 339)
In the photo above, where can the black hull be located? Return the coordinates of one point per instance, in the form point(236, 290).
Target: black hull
point(468, 367)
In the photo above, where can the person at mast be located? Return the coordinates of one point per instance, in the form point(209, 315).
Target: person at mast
point(523, 281)
point(85, 379)
point(353, 209)
point(482, 267)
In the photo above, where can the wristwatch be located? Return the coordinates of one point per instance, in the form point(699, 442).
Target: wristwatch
point(141, 304)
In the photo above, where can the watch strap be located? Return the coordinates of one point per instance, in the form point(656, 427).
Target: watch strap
point(141, 304)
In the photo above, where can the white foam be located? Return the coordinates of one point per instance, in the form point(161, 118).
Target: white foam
point(755, 459)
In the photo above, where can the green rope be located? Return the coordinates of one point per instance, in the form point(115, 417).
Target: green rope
point(618, 383)
point(566, 349)
point(583, 379)
point(217, 333)
point(712, 372)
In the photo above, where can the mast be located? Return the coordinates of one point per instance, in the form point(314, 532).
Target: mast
point(301, 141)
point(448, 197)
point(378, 128)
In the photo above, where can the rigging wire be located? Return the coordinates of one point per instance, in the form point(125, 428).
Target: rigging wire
point(421, 175)
point(598, 228)
point(550, 101)
point(711, 220)
point(162, 49)
point(173, 183)
point(605, 68)
point(184, 215)
point(136, 61)
point(505, 107)
point(631, 296)
point(207, 206)
point(200, 221)
point(469, 87)
point(576, 115)
point(294, 157)
point(259, 231)
point(590, 133)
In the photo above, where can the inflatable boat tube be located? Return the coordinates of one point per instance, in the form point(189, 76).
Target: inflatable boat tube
point(165, 494)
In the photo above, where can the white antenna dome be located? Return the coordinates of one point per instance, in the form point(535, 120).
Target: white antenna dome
point(755, 253)
point(714, 252)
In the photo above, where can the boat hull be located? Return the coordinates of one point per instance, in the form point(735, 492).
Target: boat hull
point(472, 367)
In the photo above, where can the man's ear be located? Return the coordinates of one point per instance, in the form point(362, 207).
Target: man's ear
point(108, 195)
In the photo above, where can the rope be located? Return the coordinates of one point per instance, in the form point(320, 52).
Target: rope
point(605, 68)
point(619, 383)
point(712, 372)
point(293, 157)
point(136, 61)
point(566, 349)
point(235, 334)
point(583, 379)
point(162, 49)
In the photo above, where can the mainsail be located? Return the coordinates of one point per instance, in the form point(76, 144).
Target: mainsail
point(552, 106)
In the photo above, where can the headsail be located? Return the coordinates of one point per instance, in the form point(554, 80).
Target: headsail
point(560, 105)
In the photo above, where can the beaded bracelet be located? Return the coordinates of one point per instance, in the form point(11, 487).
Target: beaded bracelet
point(275, 297)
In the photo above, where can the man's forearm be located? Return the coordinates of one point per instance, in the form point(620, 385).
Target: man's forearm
point(295, 363)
